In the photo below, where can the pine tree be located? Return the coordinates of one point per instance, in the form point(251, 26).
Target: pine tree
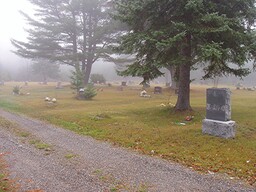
point(217, 35)
point(73, 32)
point(77, 80)
point(89, 92)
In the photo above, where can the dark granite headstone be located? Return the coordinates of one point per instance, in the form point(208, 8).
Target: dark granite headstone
point(218, 104)
point(158, 90)
point(123, 83)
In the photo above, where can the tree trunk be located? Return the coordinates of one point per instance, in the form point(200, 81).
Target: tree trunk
point(84, 39)
point(183, 101)
point(74, 41)
point(174, 71)
point(87, 73)
point(90, 53)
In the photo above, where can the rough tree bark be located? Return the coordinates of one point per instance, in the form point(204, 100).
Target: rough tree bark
point(90, 53)
point(183, 101)
point(84, 38)
point(174, 71)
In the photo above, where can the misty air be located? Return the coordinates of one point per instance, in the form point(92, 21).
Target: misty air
point(117, 95)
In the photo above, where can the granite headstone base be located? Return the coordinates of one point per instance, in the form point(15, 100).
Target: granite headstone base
point(224, 129)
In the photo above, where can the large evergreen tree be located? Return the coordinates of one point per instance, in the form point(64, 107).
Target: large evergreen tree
point(218, 35)
point(73, 32)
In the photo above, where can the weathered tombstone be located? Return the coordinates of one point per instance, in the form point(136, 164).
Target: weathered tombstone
point(218, 104)
point(158, 90)
point(1, 82)
point(80, 94)
point(26, 83)
point(59, 85)
point(123, 83)
point(218, 114)
point(143, 93)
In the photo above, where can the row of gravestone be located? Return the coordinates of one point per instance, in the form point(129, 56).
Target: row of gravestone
point(157, 89)
point(218, 112)
point(246, 88)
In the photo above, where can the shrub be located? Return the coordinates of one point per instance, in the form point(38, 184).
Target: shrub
point(88, 93)
point(16, 90)
point(97, 78)
point(76, 80)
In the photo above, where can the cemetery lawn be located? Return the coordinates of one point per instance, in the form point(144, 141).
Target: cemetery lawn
point(148, 125)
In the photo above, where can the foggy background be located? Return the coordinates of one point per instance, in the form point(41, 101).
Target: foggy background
point(14, 68)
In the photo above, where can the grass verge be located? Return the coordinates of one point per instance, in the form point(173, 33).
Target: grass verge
point(145, 125)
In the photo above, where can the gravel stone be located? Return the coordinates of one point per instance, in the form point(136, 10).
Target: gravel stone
point(98, 166)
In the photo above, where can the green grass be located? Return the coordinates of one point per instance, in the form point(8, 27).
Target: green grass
point(70, 156)
point(23, 134)
point(40, 145)
point(125, 119)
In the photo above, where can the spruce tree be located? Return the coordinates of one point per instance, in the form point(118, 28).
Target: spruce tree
point(77, 80)
point(72, 32)
point(217, 35)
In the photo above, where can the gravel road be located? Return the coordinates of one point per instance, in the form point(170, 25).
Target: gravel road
point(96, 166)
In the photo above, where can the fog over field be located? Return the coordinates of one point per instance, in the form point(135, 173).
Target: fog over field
point(13, 67)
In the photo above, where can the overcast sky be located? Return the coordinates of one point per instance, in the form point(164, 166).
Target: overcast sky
point(12, 26)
